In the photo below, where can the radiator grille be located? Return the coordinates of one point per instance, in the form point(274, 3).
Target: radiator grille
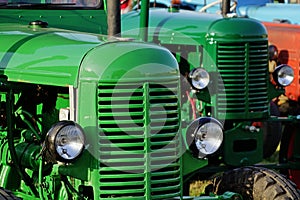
point(139, 143)
point(242, 85)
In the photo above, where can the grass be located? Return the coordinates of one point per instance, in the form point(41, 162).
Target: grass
point(198, 187)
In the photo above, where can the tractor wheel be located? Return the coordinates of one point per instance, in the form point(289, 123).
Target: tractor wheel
point(7, 195)
point(256, 183)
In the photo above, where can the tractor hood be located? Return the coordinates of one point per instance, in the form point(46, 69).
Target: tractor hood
point(60, 57)
point(131, 61)
point(43, 55)
point(169, 27)
point(184, 27)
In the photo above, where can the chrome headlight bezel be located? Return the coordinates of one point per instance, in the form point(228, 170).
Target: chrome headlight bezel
point(204, 136)
point(64, 142)
point(283, 75)
point(199, 78)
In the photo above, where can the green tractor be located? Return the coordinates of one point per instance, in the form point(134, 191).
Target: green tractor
point(223, 63)
point(88, 115)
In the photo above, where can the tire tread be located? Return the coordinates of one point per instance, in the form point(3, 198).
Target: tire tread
point(256, 183)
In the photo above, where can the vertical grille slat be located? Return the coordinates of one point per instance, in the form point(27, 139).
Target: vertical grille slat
point(243, 79)
point(138, 124)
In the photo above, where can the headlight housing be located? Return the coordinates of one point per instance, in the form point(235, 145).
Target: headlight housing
point(204, 136)
point(283, 75)
point(64, 142)
point(199, 78)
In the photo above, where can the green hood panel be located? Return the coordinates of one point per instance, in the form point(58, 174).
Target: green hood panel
point(134, 62)
point(59, 57)
point(186, 27)
point(43, 55)
point(169, 27)
point(237, 28)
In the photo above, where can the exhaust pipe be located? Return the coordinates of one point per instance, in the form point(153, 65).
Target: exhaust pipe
point(225, 7)
point(113, 18)
point(144, 20)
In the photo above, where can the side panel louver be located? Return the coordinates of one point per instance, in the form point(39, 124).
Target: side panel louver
point(139, 143)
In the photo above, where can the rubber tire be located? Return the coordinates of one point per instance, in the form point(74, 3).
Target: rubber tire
point(256, 183)
point(7, 195)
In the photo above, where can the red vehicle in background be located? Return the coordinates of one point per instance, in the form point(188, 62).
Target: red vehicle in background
point(285, 37)
point(285, 49)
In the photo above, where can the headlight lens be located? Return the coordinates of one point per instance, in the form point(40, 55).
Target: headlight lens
point(69, 142)
point(205, 135)
point(64, 141)
point(199, 78)
point(283, 75)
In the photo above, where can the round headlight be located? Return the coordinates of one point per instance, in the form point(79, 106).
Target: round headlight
point(283, 75)
point(199, 78)
point(64, 141)
point(206, 136)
